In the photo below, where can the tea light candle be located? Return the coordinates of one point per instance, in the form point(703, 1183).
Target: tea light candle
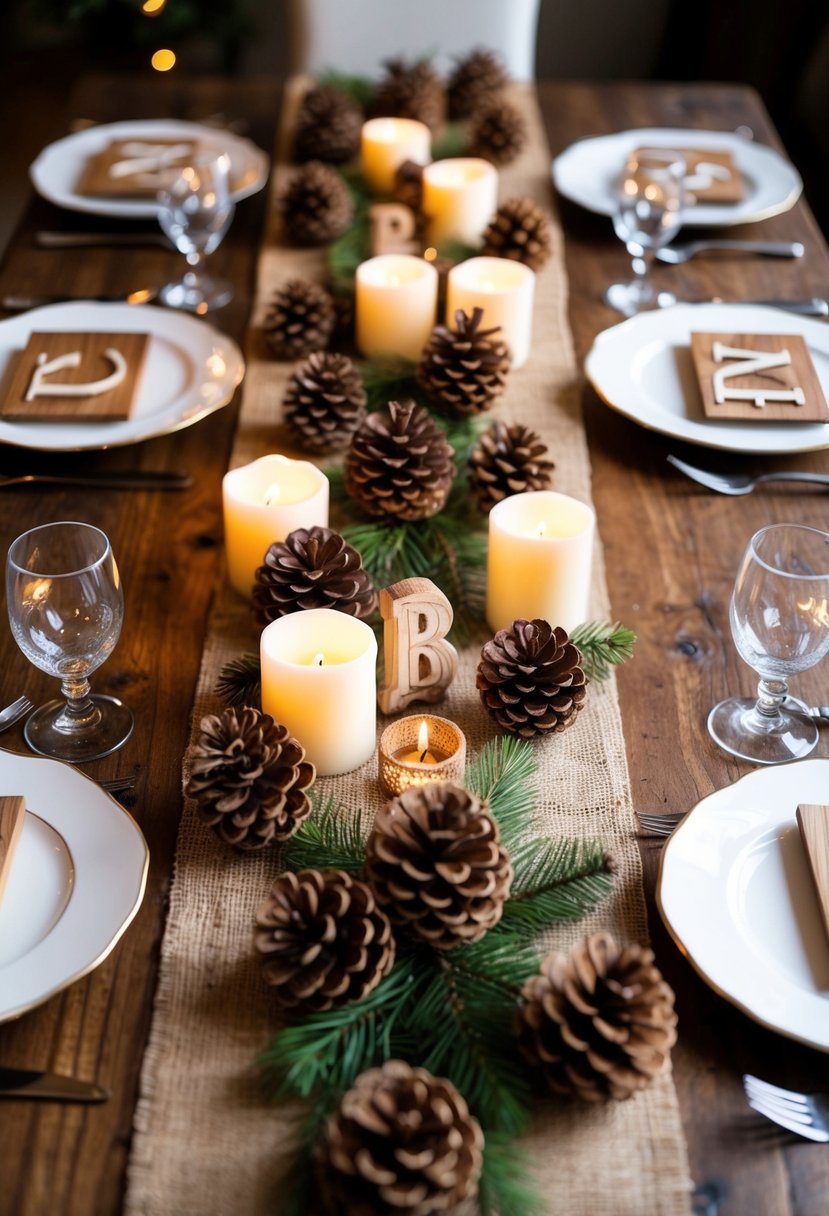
point(385, 143)
point(504, 290)
point(396, 305)
point(318, 680)
point(460, 197)
point(263, 502)
point(539, 560)
point(419, 750)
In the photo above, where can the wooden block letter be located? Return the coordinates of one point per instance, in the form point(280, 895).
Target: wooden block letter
point(392, 229)
point(420, 664)
point(12, 810)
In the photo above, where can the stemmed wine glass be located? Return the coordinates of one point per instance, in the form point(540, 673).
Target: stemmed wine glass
point(195, 210)
point(780, 623)
point(648, 214)
point(66, 607)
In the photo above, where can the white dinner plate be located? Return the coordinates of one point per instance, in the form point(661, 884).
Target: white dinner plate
point(587, 173)
point(643, 368)
point(190, 370)
point(76, 881)
point(736, 893)
point(56, 171)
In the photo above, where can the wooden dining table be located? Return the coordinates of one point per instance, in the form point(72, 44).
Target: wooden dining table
point(671, 549)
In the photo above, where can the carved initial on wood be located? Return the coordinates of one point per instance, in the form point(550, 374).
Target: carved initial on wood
point(420, 664)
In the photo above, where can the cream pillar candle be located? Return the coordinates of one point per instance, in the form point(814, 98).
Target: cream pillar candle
point(396, 300)
point(385, 143)
point(263, 502)
point(460, 197)
point(539, 560)
point(504, 290)
point(318, 680)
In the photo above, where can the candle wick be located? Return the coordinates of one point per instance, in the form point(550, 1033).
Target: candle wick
point(423, 755)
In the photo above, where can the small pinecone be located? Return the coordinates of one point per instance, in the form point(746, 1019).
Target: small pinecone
point(400, 463)
point(474, 81)
point(499, 134)
point(520, 230)
point(600, 1023)
point(408, 185)
point(325, 402)
point(322, 938)
point(530, 680)
point(507, 460)
point(316, 205)
point(402, 1141)
point(249, 778)
point(409, 91)
point(300, 320)
point(463, 370)
point(312, 568)
point(327, 127)
point(435, 861)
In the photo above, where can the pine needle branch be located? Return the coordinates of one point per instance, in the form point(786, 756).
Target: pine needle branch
point(388, 380)
point(451, 142)
point(602, 646)
point(504, 774)
point(559, 882)
point(358, 88)
point(329, 837)
point(506, 1185)
point(239, 681)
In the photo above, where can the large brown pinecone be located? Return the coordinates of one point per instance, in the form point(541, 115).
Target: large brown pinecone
point(409, 91)
point(249, 776)
point(312, 568)
point(402, 1143)
point(435, 861)
point(408, 187)
point(323, 940)
point(300, 320)
point(499, 134)
point(327, 126)
point(600, 1023)
point(507, 460)
point(530, 680)
point(316, 205)
point(400, 463)
point(475, 79)
point(464, 370)
point(519, 230)
point(325, 402)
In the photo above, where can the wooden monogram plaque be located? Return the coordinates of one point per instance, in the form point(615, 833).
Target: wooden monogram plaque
point(711, 175)
point(112, 362)
point(135, 167)
point(758, 378)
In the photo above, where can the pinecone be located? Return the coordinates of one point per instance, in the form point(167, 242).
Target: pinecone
point(463, 370)
point(499, 134)
point(473, 82)
point(249, 778)
point(400, 463)
point(327, 127)
point(507, 460)
point(402, 1141)
point(600, 1023)
point(520, 230)
point(323, 940)
point(300, 320)
point(325, 402)
point(405, 91)
point(312, 568)
point(316, 205)
point(435, 861)
point(530, 680)
point(408, 186)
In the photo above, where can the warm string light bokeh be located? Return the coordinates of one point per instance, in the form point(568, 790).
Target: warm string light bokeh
point(162, 60)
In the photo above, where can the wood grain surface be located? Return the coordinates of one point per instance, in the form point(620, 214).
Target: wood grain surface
point(813, 821)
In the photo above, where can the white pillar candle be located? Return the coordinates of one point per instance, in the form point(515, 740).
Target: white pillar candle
point(539, 560)
point(263, 502)
point(318, 680)
point(504, 289)
point(396, 301)
point(460, 197)
point(385, 143)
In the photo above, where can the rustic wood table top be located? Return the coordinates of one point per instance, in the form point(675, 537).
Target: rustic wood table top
point(671, 550)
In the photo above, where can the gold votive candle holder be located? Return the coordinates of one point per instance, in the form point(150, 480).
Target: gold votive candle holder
point(400, 765)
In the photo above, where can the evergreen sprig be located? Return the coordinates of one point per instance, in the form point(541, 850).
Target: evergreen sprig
point(452, 141)
point(555, 880)
point(239, 681)
point(602, 646)
point(329, 837)
point(506, 1185)
point(358, 88)
point(504, 774)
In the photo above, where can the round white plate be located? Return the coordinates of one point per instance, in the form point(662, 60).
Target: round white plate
point(190, 370)
point(56, 171)
point(587, 171)
point(76, 881)
point(643, 368)
point(737, 895)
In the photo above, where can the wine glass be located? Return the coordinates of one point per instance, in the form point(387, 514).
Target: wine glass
point(647, 215)
point(195, 210)
point(780, 623)
point(66, 607)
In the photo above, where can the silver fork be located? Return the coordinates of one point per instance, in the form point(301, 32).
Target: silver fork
point(676, 254)
point(661, 824)
point(14, 712)
point(741, 483)
point(115, 784)
point(804, 1114)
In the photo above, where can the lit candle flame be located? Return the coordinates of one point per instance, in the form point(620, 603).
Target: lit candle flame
point(423, 740)
point(541, 528)
point(273, 494)
point(319, 659)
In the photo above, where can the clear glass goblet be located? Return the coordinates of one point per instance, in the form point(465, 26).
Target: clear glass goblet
point(194, 211)
point(780, 623)
point(648, 214)
point(66, 607)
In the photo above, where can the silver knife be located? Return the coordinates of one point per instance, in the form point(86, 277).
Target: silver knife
point(81, 240)
point(21, 303)
point(814, 307)
point(23, 1083)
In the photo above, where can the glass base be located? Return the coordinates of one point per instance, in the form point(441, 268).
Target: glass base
point(638, 296)
point(739, 729)
point(197, 293)
point(110, 732)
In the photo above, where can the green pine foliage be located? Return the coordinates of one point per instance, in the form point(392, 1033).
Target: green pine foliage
point(329, 838)
point(602, 646)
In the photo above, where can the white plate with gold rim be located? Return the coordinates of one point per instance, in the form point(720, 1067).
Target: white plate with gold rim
point(736, 893)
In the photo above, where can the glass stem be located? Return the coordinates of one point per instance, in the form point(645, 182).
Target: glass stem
point(642, 262)
point(195, 259)
point(80, 712)
point(770, 696)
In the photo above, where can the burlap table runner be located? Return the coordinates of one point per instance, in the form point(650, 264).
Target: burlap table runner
point(206, 1141)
